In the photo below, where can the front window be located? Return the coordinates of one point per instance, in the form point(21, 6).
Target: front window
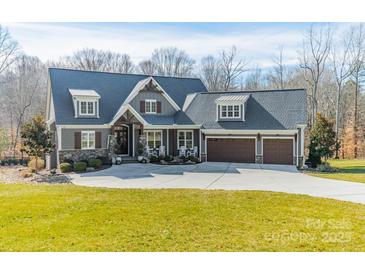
point(151, 106)
point(154, 139)
point(87, 108)
point(185, 139)
point(230, 111)
point(87, 139)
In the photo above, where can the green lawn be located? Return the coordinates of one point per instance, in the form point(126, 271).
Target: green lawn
point(71, 218)
point(350, 170)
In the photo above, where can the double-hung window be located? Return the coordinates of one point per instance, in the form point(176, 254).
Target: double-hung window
point(154, 139)
point(87, 139)
point(87, 107)
point(185, 139)
point(151, 106)
point(230, 111)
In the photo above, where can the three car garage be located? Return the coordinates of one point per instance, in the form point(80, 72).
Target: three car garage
point(243, 150)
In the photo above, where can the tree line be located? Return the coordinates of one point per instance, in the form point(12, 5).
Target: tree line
point(330, 65)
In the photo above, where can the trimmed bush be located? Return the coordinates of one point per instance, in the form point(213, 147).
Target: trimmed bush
point(168, 158)
point(65, 167)
point(193, 159)
point(154, 159)
point(32, 164)
point(95, 163)
point(80, 166)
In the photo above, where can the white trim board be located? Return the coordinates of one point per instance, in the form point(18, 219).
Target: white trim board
point(249, 131)
point(149, 126)
point(123, 109)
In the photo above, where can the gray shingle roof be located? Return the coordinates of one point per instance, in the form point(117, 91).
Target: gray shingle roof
point(270, 110)
point(113, 89)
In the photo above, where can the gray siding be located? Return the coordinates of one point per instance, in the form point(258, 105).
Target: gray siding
point(68, 137)
point(166, 108)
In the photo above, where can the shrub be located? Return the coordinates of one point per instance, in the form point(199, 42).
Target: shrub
point(104, 160)
point(32, 164)
point(168, 158)
point(26, 173)
point(183, 158)
point(193, 159)
point(65, 167)
point(70, 161)
point(154, 159)
point(80, 166)
point(95, 163)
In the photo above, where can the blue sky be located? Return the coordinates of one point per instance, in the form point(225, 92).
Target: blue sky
point(257, 42)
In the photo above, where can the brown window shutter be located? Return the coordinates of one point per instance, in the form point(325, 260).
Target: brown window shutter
point(142, 106)
point(98, 139)
point(78, 140)
point(158, 107)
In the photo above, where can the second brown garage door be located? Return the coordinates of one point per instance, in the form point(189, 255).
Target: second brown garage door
point(278, 151)
point(231, 150)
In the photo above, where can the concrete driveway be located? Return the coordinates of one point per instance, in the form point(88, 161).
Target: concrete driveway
point(229, 176)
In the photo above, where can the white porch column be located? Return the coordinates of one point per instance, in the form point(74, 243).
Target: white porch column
point(133, 142)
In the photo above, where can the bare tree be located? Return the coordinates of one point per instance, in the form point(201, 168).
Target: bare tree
point(147, 67)
point(97, 60)
point(169, 62)
point(277, 76)
point(357, 52)
point(232, 67)
point(25, 93)
point(255, 80)
point(9, 49)
point(211, 73)
point(316, 48)
point(343, 67)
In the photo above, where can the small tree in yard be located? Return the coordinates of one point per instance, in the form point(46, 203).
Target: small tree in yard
point(322, 141)
point(36, 138)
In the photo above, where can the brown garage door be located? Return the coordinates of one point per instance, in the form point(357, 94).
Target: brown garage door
point(278, 151)
point(231, 150)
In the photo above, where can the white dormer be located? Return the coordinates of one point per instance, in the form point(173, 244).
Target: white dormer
point(86, 103)
point(231, 107)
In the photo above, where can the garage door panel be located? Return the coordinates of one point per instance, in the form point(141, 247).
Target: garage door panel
point(231, 150)
point(278, 151)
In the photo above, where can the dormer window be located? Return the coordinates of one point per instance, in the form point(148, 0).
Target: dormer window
point(87, 108)
point(231, 107)
point(86, 103)
point(151, 106)
point(230, 111)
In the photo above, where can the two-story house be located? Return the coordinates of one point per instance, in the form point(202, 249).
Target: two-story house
point(175, 116)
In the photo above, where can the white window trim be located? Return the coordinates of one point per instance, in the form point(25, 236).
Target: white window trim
point(88, 132)
point(233, 105)
point(154, 138)
point(192, 138)
point(87, 107)
point(150, 101)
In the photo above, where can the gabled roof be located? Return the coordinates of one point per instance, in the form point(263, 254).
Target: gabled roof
point(113, 89)
point(271, 110)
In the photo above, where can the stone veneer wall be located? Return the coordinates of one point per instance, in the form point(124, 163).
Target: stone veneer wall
point(81, 154)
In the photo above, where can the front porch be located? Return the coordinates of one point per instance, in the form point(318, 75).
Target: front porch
point(130, 137)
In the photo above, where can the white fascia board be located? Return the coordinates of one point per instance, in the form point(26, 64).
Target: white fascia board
point(240, 131)
point(141, 84)
point(172, 126)
point(83, 126)
point(123, 109)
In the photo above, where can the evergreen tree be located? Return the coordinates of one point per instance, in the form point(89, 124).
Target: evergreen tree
point(322, 141)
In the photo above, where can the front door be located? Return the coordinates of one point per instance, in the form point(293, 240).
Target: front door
point(121, 136)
